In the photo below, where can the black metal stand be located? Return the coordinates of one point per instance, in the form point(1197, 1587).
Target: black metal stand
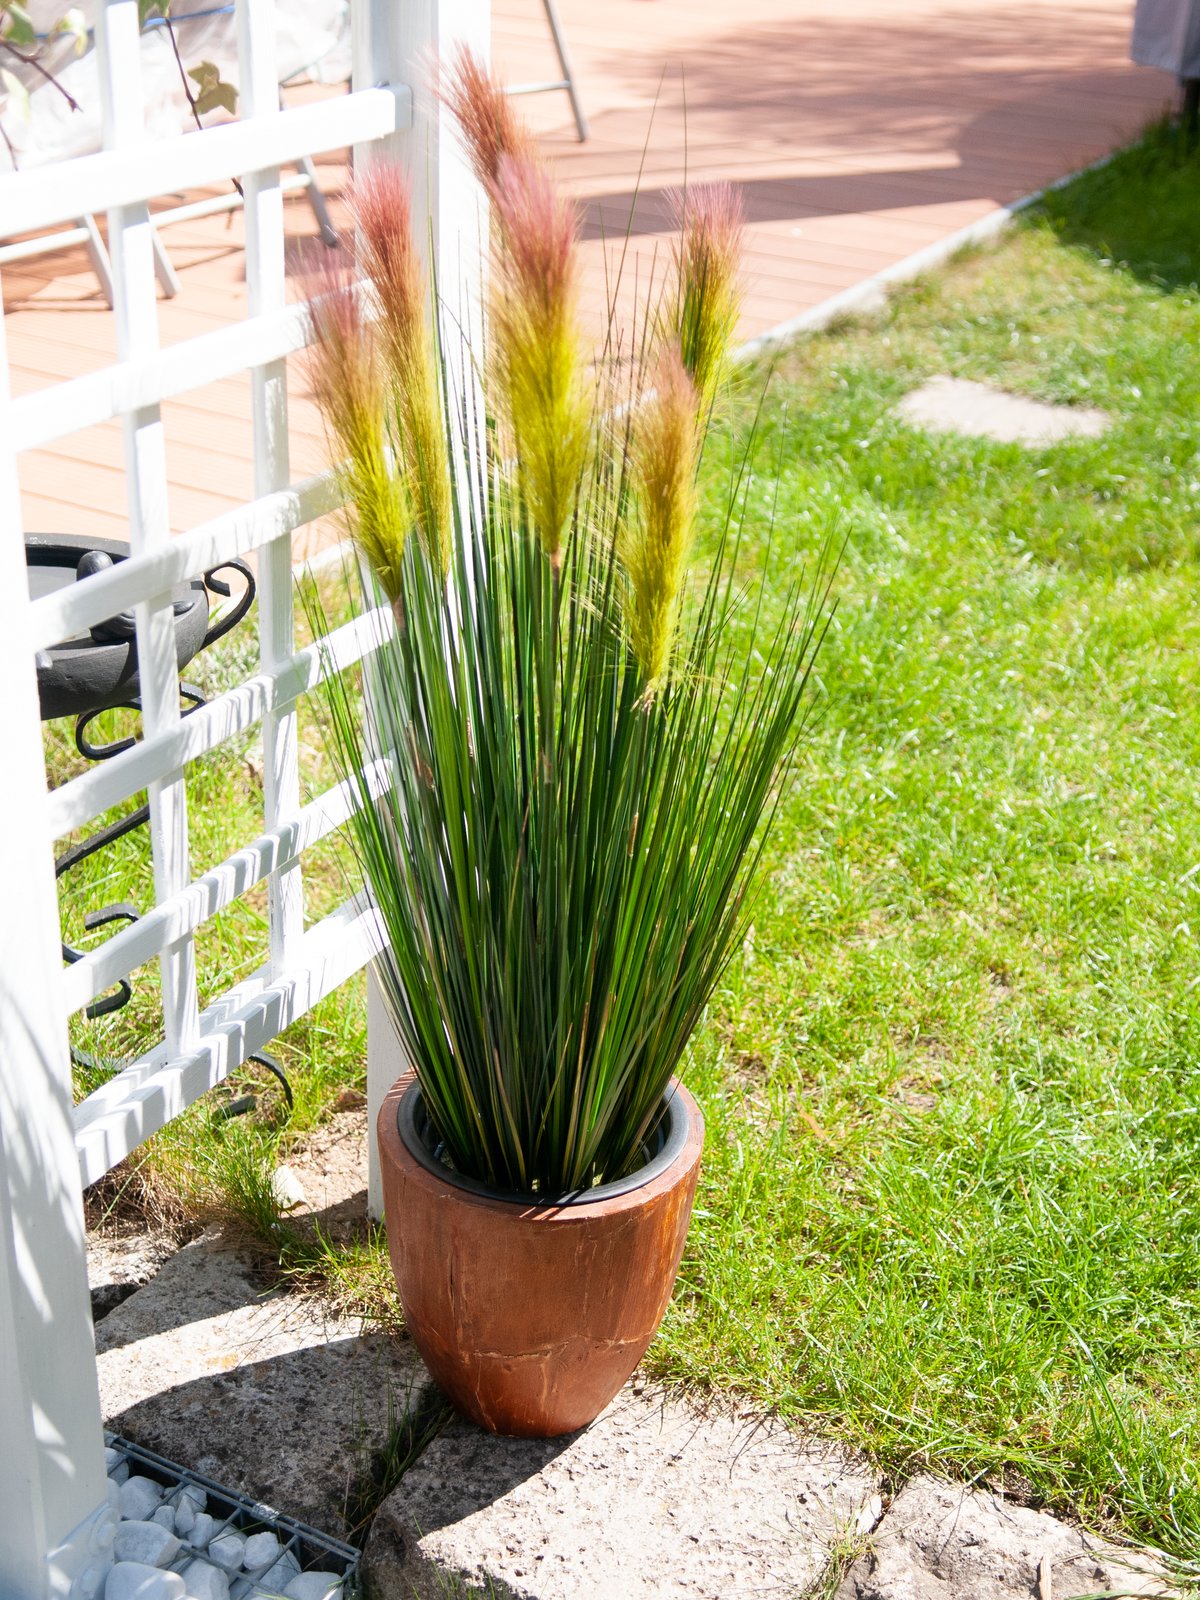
point(120, 632)
point(1189, 120)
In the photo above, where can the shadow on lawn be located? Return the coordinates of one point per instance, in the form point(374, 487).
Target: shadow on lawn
point(1139, 211)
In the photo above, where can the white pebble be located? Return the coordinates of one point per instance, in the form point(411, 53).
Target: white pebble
point(103, 1528)
point(114, 1496)
point(281, 1574)
point(129, 1580)
point(201, 1531)
point(315, 1586)
point(227, 1550)
point(165, 1518)
point(139, 1497)
point(203, 1581)
point(262, 1549)
point(115, 1464)
point(185, 1517)
point(92, 1582)
point(147, 1542)
point(193, 1493)
point(287, 1189)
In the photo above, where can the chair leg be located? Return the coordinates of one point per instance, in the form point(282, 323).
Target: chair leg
point(564, 61)
point(163, 270)
point(98, 256)
point(317, 201)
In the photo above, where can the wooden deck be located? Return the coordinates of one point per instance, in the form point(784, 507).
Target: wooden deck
point(858, 133)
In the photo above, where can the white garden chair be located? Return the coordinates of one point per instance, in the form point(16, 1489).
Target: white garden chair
point(50, 130)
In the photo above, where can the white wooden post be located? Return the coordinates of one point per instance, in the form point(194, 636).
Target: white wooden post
point(55, 1522)
point(398, 44)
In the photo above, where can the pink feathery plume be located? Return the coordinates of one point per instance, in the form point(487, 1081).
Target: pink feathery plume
point(484, 113)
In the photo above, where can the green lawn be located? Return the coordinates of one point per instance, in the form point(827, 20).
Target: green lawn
point(951, 1201)
point(951, 1198)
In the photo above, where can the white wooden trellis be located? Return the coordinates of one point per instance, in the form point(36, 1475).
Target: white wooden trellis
point(53, 1505)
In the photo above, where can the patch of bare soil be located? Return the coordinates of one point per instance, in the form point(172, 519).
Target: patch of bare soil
point(330, 1165)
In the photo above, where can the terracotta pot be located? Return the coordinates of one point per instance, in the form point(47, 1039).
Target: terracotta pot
point(532, 1316)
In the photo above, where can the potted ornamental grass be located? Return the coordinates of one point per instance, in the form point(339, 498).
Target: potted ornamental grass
point(565, 749)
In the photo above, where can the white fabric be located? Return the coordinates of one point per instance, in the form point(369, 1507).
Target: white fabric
point(1166, 34)
point(312, 39)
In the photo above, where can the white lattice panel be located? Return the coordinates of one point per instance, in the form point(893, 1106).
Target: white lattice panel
point(51, 1476)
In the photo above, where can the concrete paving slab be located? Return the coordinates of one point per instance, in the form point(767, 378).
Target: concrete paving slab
point(263, 1390)
point(942, 1541)
point(976, 410)
point(653, 1500)
point(120, 1263)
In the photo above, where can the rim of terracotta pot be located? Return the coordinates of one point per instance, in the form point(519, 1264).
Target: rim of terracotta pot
point(664, 1146)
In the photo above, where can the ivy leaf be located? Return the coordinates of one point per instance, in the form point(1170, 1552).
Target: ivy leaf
point(224, 95)
point(18, 95)
point(15, 24)
point(149, 9)
point(211, 91)
point(75, 23)
point(205, 76)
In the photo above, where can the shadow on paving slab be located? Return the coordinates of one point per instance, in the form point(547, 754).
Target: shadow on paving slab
point(263, 1390)
point(654, 1501)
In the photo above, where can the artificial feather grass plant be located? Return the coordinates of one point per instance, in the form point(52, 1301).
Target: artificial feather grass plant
point(581, 748)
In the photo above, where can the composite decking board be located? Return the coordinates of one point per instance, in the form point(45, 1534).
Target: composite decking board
point(217, 397)
point(758, 274)
point(857, 232)
point(857, 134)
point(193, 460)
point(211, 399)
point(790, 241)
point(835, 187)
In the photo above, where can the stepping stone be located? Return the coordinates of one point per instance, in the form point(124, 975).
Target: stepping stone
point(941, 1541)
point(653, 1502)
point(976, 410)
point(264, 1391)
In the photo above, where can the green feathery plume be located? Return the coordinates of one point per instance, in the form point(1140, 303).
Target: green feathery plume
point(349, 387)
point(387, 254)
point(655, 544)
point(703, 312)
point(538, 348)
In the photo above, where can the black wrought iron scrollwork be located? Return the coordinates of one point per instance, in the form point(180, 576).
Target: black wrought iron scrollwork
point(103, 752)
point(277, 1072)
point(218, 630)
point(124, 910)
point(70, 680)
point(121, 911)
point(248, 1102)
